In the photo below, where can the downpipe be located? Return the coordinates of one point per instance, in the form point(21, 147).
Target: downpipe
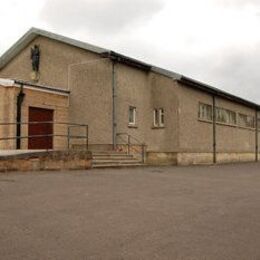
point(19, 102)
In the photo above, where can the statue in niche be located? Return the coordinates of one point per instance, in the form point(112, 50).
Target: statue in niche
point(35, 57)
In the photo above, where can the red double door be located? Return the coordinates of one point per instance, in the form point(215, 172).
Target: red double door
point(39, 115)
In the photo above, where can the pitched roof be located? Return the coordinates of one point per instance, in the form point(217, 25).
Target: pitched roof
point(34, 32)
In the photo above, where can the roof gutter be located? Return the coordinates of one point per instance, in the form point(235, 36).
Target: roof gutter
point(116, 57)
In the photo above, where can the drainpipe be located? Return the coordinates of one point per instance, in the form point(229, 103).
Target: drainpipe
point(214, 131)
point(114, 124)
point(256, 135)
point(20, 98)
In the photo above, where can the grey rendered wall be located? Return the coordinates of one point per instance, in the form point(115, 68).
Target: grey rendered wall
point(197, 136)
point(54, 64)
point(91, 99)
point(146, 91)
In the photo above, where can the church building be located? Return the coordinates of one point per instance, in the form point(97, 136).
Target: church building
point(117, 103)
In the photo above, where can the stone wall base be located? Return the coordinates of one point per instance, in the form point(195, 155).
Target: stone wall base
point(207, 158)
point(172, 158)
point(157, 158)
point(194, 158)
point(46, 161)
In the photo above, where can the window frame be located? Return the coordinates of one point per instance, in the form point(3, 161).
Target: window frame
point(245, 122)
point(161, 117)
point(158, 117)
point(223, 116)
point(210, 119)
point(132, 109)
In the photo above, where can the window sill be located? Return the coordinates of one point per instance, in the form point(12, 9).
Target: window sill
point(224, 124)
point(158, 127)
point(132, 126)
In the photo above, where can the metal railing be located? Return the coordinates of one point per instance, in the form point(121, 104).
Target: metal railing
point(131, 142)
point(67, 133)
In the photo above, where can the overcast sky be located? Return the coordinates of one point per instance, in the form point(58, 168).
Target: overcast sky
point(215, 41)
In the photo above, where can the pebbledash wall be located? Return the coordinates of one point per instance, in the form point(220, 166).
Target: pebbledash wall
point(97, 84)
point(233, 142)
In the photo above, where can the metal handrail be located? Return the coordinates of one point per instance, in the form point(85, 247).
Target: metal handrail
point(68, 135)
point(41, 122)
point(130, 144)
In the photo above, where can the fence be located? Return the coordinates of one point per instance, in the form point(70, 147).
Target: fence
point(132, 145)
point(61, 130)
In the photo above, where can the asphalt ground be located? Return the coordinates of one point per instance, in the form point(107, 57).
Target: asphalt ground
point(203, 212)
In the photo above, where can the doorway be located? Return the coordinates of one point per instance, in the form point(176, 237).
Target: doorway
point(40, 115)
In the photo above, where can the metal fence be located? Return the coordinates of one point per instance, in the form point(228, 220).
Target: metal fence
point(67, 133)
point(132, 145)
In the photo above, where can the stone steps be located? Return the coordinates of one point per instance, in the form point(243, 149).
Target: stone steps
point(113, 160)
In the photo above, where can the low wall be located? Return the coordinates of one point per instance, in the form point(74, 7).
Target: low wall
point(207, 158)
point(46, 161)
point(171, 158)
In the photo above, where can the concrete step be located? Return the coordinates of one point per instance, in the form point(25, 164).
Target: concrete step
point(112, 159)
point(115, 162)
point(118, 157)
point(122, 165)
point(109, 153)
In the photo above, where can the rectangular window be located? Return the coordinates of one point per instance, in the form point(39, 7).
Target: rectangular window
point(161, 116)
point(132, 115)
point(226, 116)
point(158, 117)
point(246, 121)
point(205, 112)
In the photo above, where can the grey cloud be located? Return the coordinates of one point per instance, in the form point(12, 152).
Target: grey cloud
point(99, 16)
point(236, 3)
point(233, 70)
point(239, 72)
point(226, 3)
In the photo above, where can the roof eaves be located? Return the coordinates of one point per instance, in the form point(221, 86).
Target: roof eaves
point(42, 87)
point(127, 60)
point(70, 41)
point(215, 91)
point(166, 73)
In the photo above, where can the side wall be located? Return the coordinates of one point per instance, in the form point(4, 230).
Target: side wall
point(148, 91)
point(233, 143)
point(91, 100)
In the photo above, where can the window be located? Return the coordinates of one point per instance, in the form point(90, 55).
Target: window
point(246, 121)
point(161, 117)
point(205, 112)
point(158, 117)
point(132, 115)
point(226, 116)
